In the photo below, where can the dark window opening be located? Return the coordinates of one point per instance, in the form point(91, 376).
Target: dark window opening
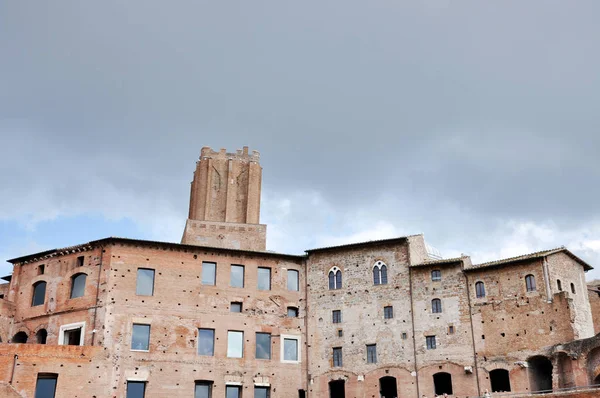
point(337, 389)
point(235, 306)
point(78, 285)
point(436, 275)
point(388, 312)
point(500, 380)
point(292, 312)
point(442, 382)
point(41, 336)
point(480, 290)
point(39, 293)
point(136, 389)
point(301, 394)
point(540, 374)
point(559, 285)
point(80, 261)
point(72, 337)
point(388, 387)
point(340, 333)
point(572, 288)
point(436, 306)
point(41, 269)
point(45, 387)
point(337, 357)
point(404, 336)
point(530, 283)
point(450, 329)
point(20, 338)
point(203, 389)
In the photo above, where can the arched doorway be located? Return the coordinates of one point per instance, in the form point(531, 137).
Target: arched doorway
point(41, 336)
point(20, 338)
point(500, 380)
point(388, 387)
point(442, 382)
point(540, 374)
point(337, 389)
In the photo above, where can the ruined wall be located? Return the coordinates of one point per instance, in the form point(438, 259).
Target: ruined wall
point(361, 303)
point(7, 314)
point(58, 308)
point(454, 347)
point(181, 304)
point(594, 299)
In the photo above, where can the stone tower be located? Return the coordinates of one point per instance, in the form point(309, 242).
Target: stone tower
point(225, 201)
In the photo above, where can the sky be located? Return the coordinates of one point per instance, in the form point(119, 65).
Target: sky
point(474, 123)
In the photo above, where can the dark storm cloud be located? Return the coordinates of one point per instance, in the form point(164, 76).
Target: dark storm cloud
point(444, 117)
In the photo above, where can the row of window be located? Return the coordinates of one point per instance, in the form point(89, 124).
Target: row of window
point(380, 276)
point(388, 311)
point(77, 289)
point(530, 285)
point(290, 349)
point(145, 278)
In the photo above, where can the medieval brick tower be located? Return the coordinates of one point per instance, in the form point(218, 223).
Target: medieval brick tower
point(225, 201)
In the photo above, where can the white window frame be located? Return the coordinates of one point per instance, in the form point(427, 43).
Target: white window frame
point(282, 347)
point(71, 326)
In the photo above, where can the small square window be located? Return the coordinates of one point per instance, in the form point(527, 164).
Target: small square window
point(292, 312)
point(41, 269)
point(140, 337)
point(235, 306)
point(80, 261)
point(404, 336)
point(336, 316)
point(340, 333)
point(136, 389)
point(430, 342)
point(450, 329)
point(371, 353)
point(388, 312)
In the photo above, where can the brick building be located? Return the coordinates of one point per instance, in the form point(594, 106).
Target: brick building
point(219, 316)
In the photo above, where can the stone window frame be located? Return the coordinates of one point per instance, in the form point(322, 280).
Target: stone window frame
point(71, 326)
point(371, 353)
point(380, 276)
point(335, 282)
point(479, 292)
point(335, 318)
point(530, 285)
point(388, 312)
point(298, 339)
point(337, 357)
point(431, 342)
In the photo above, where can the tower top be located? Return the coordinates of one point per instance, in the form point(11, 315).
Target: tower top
point(240, 154)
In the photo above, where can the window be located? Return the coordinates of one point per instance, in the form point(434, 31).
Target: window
point(80, 260)
point(206, 342)
point(442, 383)
point(430, 342)
point(559, 285)
point(41, 269)
point(233, 392)
point(291, 346)
point(140, 337)
point(388, 312)
point(237, 276)
point(436, 275)
point(136, 389)
point(340, 333)
point(572, 288)
point(337, 357)
point(209, 273)
point(450, 329)
point(71, 334)
point(293, 280)
point(78, 285)
point(145, 282)
point(379, 273)
point(45, 387)
point(371, 353)
point(436, 306)
point(530, 283)
point(263, 345)
point(335, 278)
point(479, 290)
point(336, 316)
point(404, 336)
point(262, 392)
point(41, 336)
point(39, 293)
point(264, 278)
point(235, 344)
point(19, 338)
point(292, 312)
point(203, 389)
point(235, 306)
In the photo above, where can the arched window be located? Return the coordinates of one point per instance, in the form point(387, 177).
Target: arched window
point(41, 336)
point(480, 289)
point(559, 285)
point(20, 338)
point(380, 273)
point(436, 306)
point(572, 288)
point(436, 275)
point(530, 283)
point(39, 293)
point(78, 285)
point(335, 278)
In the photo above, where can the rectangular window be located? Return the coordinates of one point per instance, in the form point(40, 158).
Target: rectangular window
point(340, 333)
point(235, 306)
point(371, 353)
point(451, 329)
point(262, 392)
point(436, 275)
point(136, 389)
point(264, 278)
point(293, 282)
point(404, 336)
point(80, 260)
point(203, 389)
point(292, 312)
point(337, 357)
point(237, 275)
point(209, 273)
point(41, 269)
point(263, 345)
point(430, 342)
point(71, 334)
point(45, 387)
point(290, 349)
point(233, 392)
point(206, 342)
point(388, 312)
point(235, 344)
point(336, 316)
point(145, 282)
point(140, 337)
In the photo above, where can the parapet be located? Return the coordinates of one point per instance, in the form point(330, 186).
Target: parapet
point(241, 154)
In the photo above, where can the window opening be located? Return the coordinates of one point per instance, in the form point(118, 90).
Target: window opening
point(78, 285)
point(136, 389)
point(20, 338)
point(540, 374)
point(263, 346)
point(337, 389)
point(292, 312)
point(45, 386)
point(436, 275)
point(237, 275)
point(337, 357)
point(480, 290)
point(235, 344)
point(264, 278)
point(388, 387)
point(500, 380)
point(39, 293)
point(430, 340)
point(530, 283)
point(388, 312)
point(336, 316)
point(335, 278)
point(145, 282)
point(235, 306)
point(293, 280)
point(209, 273)
point(206, 342)
point(371, 353)
point(442, 382)
point(41, 336)
point(140, 337)
point(80, 261)
point(436, 306)
point(203, 389)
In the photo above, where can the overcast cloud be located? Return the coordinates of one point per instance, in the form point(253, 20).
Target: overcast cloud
point(475, 123)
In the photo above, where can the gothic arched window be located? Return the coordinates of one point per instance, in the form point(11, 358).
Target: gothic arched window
point(380, 273)
point(335, 278)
